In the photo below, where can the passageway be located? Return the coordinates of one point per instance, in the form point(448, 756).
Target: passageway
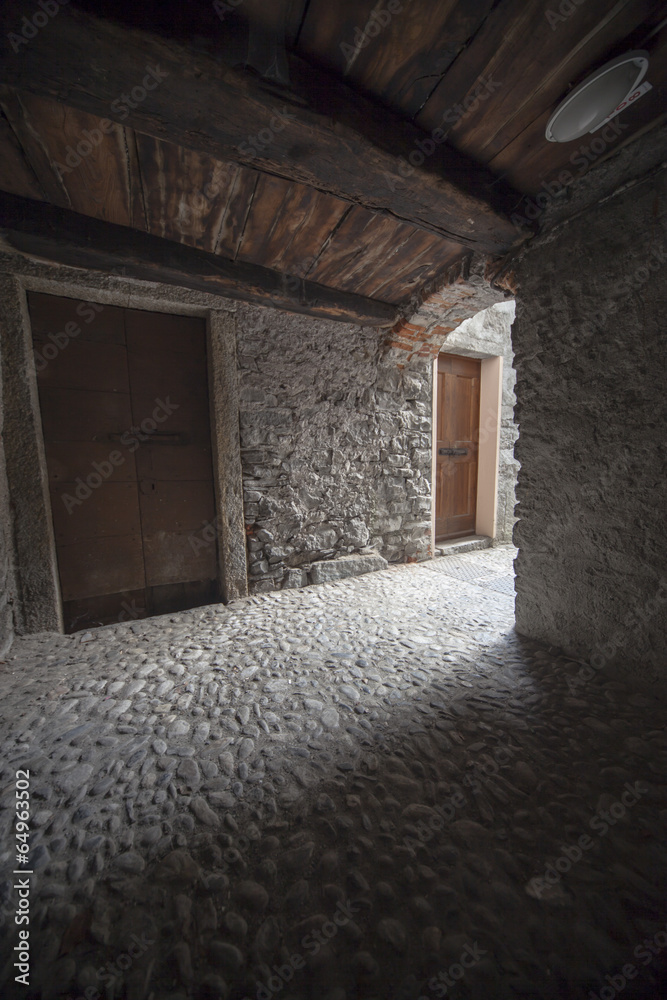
point(367, 789)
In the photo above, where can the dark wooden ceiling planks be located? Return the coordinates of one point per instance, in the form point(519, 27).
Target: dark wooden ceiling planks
point(331, 198)
point(360, 243)
point(222, 208)
point(78, 164)
point(294, 16)
point(370, 252)
point(398, 57)
point(277, 17)
point(422, 258)
point(187, 193)
point(238, 206)
point(530, 161)
point(16, 174)
point(522, 65)
point(328, 136)
point(27, 131)
point(288, 225)
point(67, 237)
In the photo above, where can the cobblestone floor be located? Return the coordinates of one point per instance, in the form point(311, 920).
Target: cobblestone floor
point(368, 790)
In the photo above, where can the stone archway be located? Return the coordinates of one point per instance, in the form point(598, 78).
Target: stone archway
point(470, 286)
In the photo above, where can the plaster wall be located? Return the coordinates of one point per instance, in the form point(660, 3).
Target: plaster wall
point(589, 343)
point(491, 372)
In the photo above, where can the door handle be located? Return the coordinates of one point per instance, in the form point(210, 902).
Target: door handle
point(452, 451)
point(164, 437)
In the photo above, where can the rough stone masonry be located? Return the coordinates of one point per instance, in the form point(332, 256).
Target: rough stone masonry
point(591, 379)
point(6, 583)
point(335, 447)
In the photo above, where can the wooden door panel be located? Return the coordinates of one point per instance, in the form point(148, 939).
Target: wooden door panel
point(178, 376)
point(180, 443)
point(458, 491)
point(87, 365)
point(105, 609)
point(78, 415)
point(100, 566)
point(175, 462)
point(109, 509)
point(174, 506)
point(181, 596)
point(457, 430)
point(68, 460)
point(441, 499)
point(187, 416)
point(125, 529)
point(51, 314)
point(440, 435)
point(174, 465)
point(456, 483)
point(157, 333)
point(449, 405)
point(463, 419)
point(172, 557)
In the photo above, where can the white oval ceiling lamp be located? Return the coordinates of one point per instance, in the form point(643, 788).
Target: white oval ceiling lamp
point(595, 100)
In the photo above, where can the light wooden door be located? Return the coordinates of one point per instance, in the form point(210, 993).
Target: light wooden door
point(457, 446)
point(125, 417)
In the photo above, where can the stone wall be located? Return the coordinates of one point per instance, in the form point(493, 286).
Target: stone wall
point(489, 334)
point(335, 446)
point(335, 423)
point(7, 583)
point(589, 342)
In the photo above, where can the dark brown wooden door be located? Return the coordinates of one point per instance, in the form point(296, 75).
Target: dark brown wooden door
point(125, 416)
point(457, 446)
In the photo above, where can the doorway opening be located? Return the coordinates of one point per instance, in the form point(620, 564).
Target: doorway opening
point(457, 445)
point(124, 404)
point(473, 468)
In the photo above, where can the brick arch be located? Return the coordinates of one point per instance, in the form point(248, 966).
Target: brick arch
point(427, 319)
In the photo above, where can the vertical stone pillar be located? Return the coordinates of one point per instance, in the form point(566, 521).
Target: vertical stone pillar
point(227, 474)
point(38, 607)
point(7, 576)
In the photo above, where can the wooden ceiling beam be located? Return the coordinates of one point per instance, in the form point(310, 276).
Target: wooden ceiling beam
point(66, 237)
point(318, 132)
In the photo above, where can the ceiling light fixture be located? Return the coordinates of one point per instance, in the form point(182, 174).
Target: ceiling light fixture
point(596, 99)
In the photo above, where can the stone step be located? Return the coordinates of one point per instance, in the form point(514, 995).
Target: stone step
point(458, 545)
point(345, 566)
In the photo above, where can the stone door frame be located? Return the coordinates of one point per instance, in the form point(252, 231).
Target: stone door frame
point(39, 606)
